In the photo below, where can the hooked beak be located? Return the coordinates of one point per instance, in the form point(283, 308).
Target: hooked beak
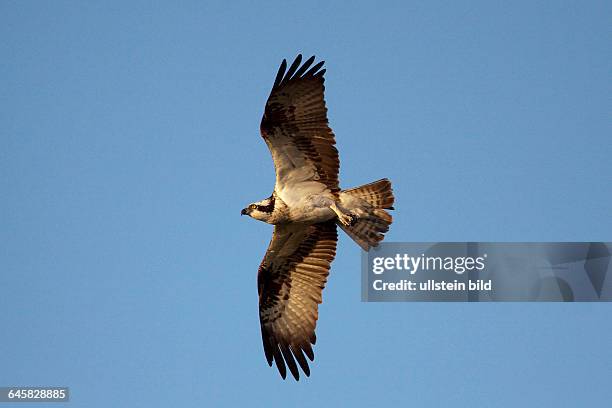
point(244, 211)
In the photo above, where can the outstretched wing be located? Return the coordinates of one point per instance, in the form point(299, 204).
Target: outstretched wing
point(291, 278)
point(297, 132)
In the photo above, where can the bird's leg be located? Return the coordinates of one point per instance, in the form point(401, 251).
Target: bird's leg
point(345, 217)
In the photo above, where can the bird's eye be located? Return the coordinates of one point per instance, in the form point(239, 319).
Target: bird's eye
point(252, 207)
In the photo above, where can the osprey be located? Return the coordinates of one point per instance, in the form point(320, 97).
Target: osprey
point(305, 207)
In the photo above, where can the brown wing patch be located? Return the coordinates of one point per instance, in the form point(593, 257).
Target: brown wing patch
point(290, 282)
point(296, 113)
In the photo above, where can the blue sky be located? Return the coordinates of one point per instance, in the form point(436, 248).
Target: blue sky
point(129, 143)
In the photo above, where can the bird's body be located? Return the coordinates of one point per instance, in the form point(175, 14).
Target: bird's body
point(305, 207)
point(310, 208)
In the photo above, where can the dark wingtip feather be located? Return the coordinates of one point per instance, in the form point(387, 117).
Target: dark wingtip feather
point(294, 66)
point(314, 69)
point(290, 361)
point(304, 67)
point(280, 73)
point(280, 363)
point(297, 352)
point(309, 352)
point(267, 345)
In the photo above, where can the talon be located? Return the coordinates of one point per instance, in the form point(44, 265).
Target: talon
point(345, 217)
point(348, 219)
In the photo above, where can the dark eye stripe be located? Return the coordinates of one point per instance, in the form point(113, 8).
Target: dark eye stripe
point(267, 208)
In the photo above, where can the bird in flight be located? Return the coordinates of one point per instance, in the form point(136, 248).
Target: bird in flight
point(305, 207)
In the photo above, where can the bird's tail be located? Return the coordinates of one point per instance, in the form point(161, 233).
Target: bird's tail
point(368, 203)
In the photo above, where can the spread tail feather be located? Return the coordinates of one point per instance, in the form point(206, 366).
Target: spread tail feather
point(368, 203)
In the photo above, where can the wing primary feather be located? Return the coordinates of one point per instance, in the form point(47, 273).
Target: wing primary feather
point(290, 361)
point(314, 69)
point(320, 73)
point(297, 352)
point(267, 350)
point(304, 67)
point(308, 351)
point(280, 73)
point(293, 67)
point(280, 362)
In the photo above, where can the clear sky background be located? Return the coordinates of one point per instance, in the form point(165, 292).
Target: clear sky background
point(129, 142)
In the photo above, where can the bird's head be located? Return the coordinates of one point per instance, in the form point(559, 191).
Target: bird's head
point(261, 210)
